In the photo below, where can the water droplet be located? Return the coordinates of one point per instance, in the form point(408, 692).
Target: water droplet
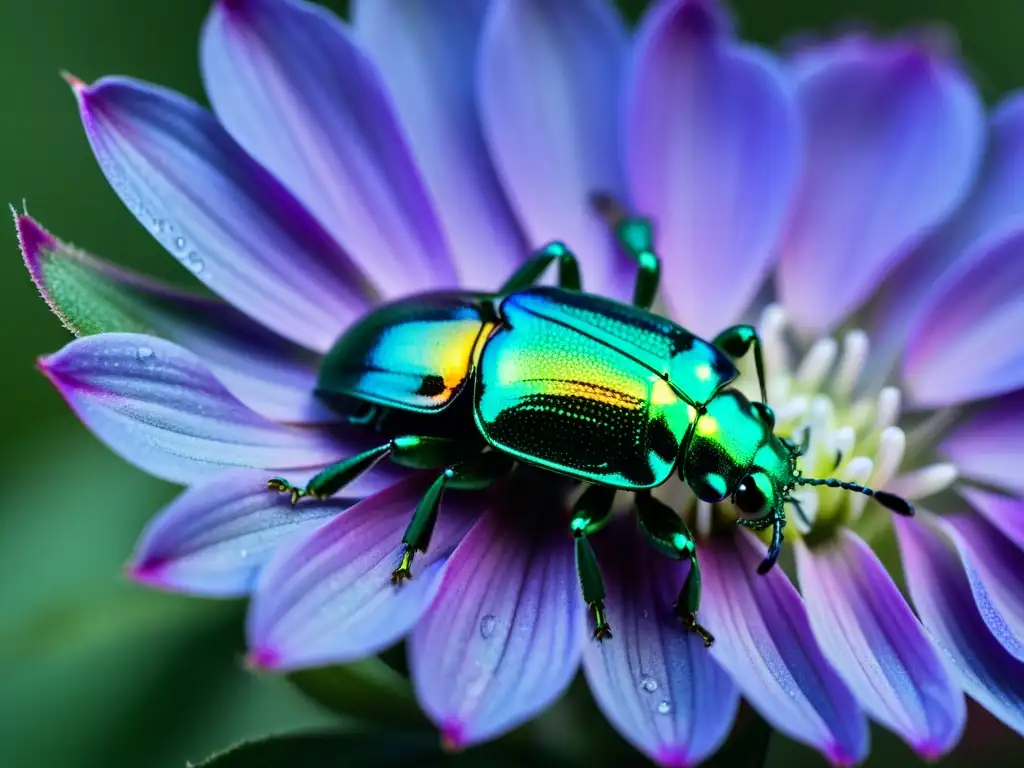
point(244, 553)
point(179, 243)
point(488, 624)
point(158, 226)
point(194, 263)
point(664, 708)
point(144, 353)
point(648, 683)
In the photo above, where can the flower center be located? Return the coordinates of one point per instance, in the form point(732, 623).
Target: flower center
point(850, 435)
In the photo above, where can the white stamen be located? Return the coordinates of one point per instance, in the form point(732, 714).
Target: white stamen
point(772, 330)
point(851, 362)
point(703, 520)
point(792, 409)
point(888, 408)
point(816, 364)
point(845, 439)
point(924, 482)
point(818, 421)
point(891, 446)
point(857, 471)
point(808, 499)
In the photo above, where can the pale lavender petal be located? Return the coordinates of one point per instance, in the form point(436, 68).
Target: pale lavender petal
point(656, 683)
point(966, 343)
point(327, 597)
point(272, 376)
point(503, 639)
point(997, 201)
point(220, 213)
point(1004, 512)
point(290, 84)
point(995, 569)
point(988, 444)
point(714, 151)
point(894, 138)
point(764, 640)
point(942, 595)
point(868, 632)
point(156, 405)
point(214, 539)
point(426, 54)
point(549, 91)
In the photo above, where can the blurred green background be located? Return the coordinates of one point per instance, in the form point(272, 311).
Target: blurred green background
point(95, 671)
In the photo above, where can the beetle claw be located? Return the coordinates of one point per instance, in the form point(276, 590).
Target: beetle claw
point(281, 485)
point(690, 622)
point(602, 631)
point(403, 572)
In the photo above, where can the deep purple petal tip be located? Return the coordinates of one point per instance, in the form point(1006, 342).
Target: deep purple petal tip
point(262, 659)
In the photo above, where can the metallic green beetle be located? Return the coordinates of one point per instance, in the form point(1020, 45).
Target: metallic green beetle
point(574, 383)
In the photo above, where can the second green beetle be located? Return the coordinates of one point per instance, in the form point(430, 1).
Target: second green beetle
point(588, 387)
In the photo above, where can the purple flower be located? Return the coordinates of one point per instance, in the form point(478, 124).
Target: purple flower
point(853, 195)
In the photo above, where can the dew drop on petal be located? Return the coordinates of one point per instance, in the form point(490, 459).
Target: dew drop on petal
point(648, 684)
point(144, 353)
point(179, 243)
point(488, 623)
point(194, 263)
point(664, 708)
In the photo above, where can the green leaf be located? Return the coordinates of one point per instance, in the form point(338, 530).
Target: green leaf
point(380, 749)
point(330, 750)
point(366, 690)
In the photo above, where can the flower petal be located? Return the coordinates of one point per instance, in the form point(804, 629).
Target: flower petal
point(868, 632)
point(289, 83)
point(503, 638)
point(216, 536)
point(272, 376)
point(942, 595)
point(656, 683)
point(1004, 512)
point(549, 102)
point(895, 135)
point(327, 598)
point(714, 150)
point(156, 405)
point(427, 56)
point(219, 213)
point(989, 443)
point(764, 640)
point(995, 569)
point(996, 202)
point(965, 344)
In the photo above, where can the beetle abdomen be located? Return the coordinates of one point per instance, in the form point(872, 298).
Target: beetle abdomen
point(414, 354)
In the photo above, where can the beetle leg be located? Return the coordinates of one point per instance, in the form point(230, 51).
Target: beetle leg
point(530, 272)
point(334, 478)
point(778, 523)
point(474, 474)
point(589, 515)
point(635, 235)
point(668, 534)
point(736, 342)
point(411, 451)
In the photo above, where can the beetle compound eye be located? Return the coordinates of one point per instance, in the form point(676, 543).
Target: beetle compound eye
point(750, 500)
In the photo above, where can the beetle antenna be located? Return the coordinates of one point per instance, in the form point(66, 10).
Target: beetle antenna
point(890, 501)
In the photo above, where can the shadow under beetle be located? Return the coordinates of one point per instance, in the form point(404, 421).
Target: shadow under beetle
point(578, 384)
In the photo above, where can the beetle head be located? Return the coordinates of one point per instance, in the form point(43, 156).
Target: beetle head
point(733, 452)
